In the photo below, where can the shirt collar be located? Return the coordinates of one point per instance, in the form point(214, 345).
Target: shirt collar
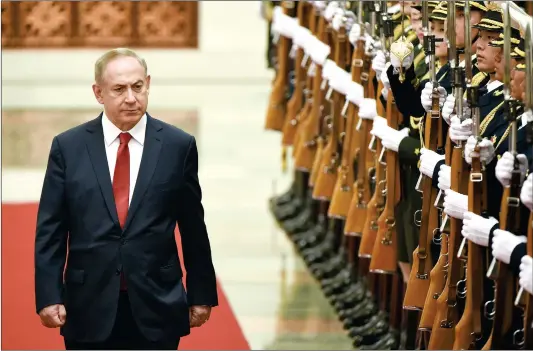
point(111, 131)
point(495, 84)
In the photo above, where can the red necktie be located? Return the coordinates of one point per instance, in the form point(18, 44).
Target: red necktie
point(121, 185)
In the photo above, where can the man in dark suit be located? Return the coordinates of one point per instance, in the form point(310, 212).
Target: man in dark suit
point(113, 191)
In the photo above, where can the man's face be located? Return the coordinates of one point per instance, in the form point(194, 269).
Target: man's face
point(486, 53)
point(475, 18)
point(438, 30)
point(499, 67)
point(123, 90)
point(406, 6)
point(416, 22)
point(517, 83)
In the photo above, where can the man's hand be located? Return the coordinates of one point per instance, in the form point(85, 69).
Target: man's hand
point(198, 315)
point(53, 316)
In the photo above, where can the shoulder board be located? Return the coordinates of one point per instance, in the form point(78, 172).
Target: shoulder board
point(478, 78)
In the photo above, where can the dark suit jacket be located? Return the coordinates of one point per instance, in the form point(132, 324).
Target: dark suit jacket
point(77, 213)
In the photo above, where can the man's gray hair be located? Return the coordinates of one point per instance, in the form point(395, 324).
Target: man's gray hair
point(101, 63)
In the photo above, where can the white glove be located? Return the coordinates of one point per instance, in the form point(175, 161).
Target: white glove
point(330, 10)
point(526, 274)
point(355, 35)
point(486, 149)
point(378, 63)
point(526, 194)
point(341, 19)
point(428, 161)
point(427, 93)
point(504, 243)
point(371, 46)
point(318, 51)
point(355, 94)
point(392, 138)
point(379, 124)
point(339, 80)
point(385, 79)
point(319, 5)
point(460, 131)
point(302, 37)
point(477, 229)
point(455, 204)
point(449, 107)
point(445, 177)
point(367, 109)
point(327, 69)
point(505, 167)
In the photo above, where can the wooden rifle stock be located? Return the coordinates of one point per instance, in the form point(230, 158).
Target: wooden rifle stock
point(418, 285)
point(443, 331)
point(376, 204)
point(468, 330)
point(277, 104)
point(357, 208)
point(438, 275)
point(343, 190)
point(384, 254)
point(306, 139)
point(322, 109)
point(504, 279)
point(295, 103)
point(327, 175)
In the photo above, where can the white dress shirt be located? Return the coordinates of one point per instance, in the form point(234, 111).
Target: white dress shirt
point(136, 144)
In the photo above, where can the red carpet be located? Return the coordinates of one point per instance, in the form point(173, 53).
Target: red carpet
point(21, 327)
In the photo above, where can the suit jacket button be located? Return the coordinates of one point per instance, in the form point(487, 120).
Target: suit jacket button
point(117, 272)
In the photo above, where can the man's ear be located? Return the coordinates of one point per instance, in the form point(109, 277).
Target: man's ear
point(148, 78)
point(97, 90)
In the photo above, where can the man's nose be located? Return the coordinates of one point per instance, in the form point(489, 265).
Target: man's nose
point(130, 97)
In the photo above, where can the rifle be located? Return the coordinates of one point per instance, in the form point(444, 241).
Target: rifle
point(439, 273)
point(329, 162)
point(443, 331)
point(376, 204)
point(277, 104)
point(384, 254)
point(418, 284)
point(509, 216)
point(323, 109)
point(296, 102)
point(522, 295)
point(468, 331)
point(342, 194)
point(310, 130)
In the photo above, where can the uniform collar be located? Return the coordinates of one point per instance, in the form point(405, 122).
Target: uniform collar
point(495, 84)
point(111, 132)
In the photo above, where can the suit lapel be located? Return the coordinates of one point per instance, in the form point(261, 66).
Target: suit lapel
point(151, 149)
point(97, 153)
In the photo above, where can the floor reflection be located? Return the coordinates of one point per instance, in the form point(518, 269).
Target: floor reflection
point(276, 301)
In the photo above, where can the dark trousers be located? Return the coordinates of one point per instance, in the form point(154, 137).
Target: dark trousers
point(125, 334)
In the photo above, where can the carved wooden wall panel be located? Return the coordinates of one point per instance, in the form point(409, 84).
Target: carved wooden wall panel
point(135, 24)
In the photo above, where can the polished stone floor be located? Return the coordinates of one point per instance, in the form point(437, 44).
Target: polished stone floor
point(277, 303)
